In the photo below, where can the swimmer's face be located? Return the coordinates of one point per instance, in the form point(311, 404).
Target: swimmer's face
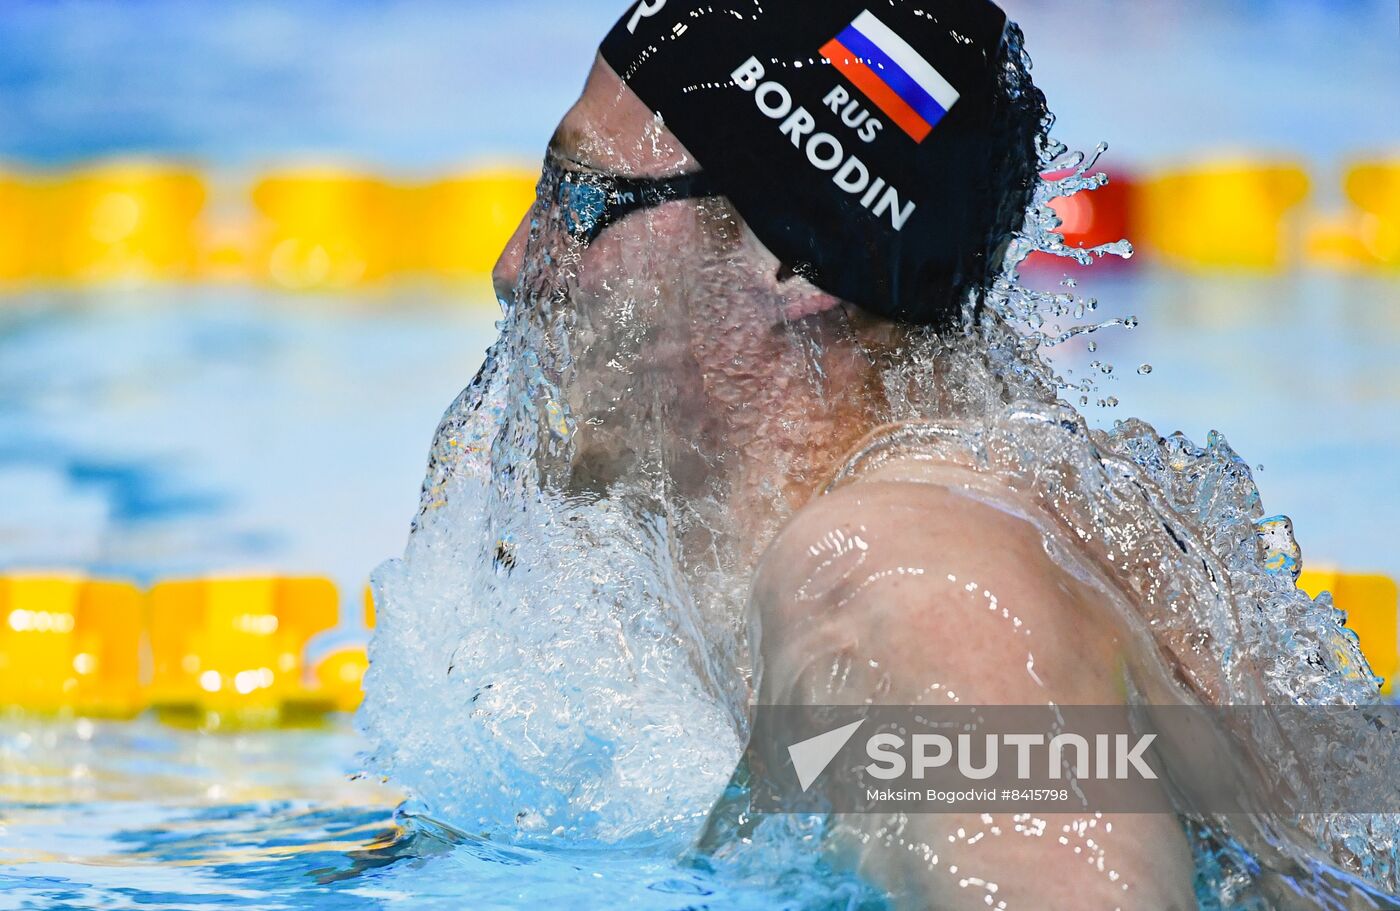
point(685, 339)
point(610, 132)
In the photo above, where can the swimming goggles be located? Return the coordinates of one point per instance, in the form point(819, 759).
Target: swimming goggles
point(593, 202)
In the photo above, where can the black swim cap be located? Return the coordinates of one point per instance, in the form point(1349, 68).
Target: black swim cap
point(864, 142)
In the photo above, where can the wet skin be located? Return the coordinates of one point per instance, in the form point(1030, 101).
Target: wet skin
point(949, 598)
point(926, 636)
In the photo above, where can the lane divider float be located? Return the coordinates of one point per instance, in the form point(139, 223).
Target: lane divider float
point(207, 652)
point(231, 651)
point(319, 228)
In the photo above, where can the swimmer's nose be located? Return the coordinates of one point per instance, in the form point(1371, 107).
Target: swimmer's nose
point(507, 271)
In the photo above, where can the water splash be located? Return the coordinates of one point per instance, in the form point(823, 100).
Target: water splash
point(541, 658)
point(1185, 530)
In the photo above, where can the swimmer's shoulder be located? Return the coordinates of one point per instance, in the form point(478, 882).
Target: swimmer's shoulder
point(906, 514)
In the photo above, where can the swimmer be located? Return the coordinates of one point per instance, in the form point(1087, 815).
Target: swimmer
point(845, 174)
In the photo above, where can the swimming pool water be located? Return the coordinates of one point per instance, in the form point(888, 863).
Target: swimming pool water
point(210, 429)
point(139, 815)
point(177, 430)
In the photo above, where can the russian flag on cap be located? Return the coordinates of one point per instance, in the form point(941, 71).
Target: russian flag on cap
point(897, 78)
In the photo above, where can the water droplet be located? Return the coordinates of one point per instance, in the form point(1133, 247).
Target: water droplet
point(1093, 346)
point(1145, 369)
point(1112, 401)
point(1130, 323)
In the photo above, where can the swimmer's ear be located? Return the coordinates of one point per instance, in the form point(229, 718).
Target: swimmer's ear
point(800, 297)
point(787, 282)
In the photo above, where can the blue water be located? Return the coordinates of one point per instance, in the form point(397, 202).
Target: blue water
point(172, 431)
point(143, 816)
point(208, 429)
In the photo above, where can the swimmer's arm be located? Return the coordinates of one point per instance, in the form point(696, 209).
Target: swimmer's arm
point(901, 594)
point(938, 567)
